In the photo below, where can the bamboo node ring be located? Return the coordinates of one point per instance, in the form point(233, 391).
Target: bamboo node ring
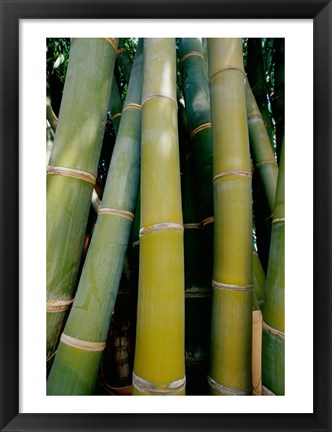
point(273, 331)
point(267, 161)
point(165, 226)
point(193, 225)
point(207, 221)
point(54, 306)
point(71, 172)
point(149, 387)
point(232, 287)
point(200, 128)
point(158, 95)
point(113, 43)
point(232, 172)
point(116, 115)
point(254, 113)
point(131, 105)
point(82, 344)
point(228, 68)
point(197, 292)
point(120, 51)
point(122, 213)
point(277, 220)
point(226, 390)
point(51, 356)
point(192, 53)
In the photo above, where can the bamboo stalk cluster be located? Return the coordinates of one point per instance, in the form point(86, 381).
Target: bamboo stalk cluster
point(168, 279)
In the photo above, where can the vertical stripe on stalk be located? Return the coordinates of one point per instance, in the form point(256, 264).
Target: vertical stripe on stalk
point(231, 329)
point(159, 353)
point(75, 369)
point(73, 168)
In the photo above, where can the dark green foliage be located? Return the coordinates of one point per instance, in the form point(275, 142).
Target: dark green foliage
point(57, 54)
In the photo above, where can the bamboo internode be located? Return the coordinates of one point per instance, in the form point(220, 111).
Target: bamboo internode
point(274, 307)
point(231, 329)
point(261, 150)
point(73, 168)
point(159, 351)
point(197, 206)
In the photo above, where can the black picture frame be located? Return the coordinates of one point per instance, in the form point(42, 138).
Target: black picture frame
point(11, 12)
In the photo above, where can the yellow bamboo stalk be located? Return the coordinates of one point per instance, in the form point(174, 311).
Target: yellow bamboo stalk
point(231, 330)
point(159, 366)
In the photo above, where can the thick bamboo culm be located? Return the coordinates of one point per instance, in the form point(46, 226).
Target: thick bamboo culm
point(198, 191)
point(261, 150)
point(274, 308)
point(72, 172)
point(159, 366)
point(77, 360)
point(197, 292)
point(230, 370)
point(197, 103)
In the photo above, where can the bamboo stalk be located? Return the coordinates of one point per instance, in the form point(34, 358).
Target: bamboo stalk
point(72, 171)
point(159, 367)
point(197, 293)
point(197, 207)
point(265, 174)
point(78, 357)
point(115, 106)
point(274, 308)
point(197, 103)
point(231, 330)
point(261, 150)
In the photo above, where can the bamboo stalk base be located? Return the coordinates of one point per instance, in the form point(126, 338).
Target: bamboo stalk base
point(273, 367)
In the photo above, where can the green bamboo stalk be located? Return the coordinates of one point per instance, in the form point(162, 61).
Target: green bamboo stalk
point(261, 150)
point(76, 363)
point(116, 365)
point(274, 308)
point(197, 293)
point(159, 366)
point(231, 330)
point(197, 103)
point(115, 106)
point(265, 174)
point(75, 153)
